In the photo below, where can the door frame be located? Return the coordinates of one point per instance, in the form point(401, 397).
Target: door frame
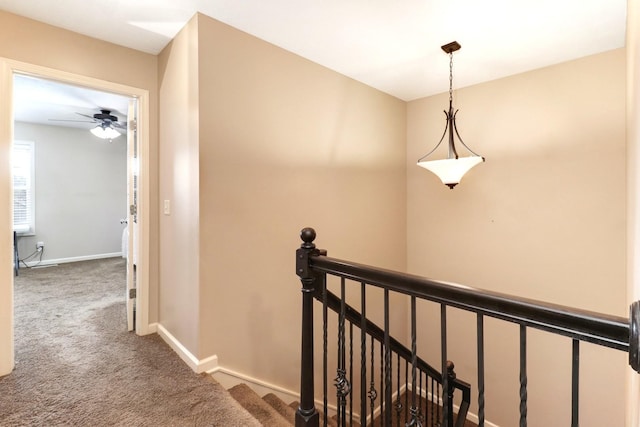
point(8, 68)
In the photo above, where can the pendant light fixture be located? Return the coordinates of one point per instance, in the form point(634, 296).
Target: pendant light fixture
point(452, 169)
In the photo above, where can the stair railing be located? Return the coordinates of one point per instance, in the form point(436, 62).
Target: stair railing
point(428, 395)
point(313, 266)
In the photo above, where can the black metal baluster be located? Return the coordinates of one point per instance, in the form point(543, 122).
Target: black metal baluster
point(436, 397)
point(363, 356)
point(575, 383)
point(406, 391)
point(430, 406)
point(382, 400)
point(480, 331)
point(398, 397)
point(387, 361)
point(350, 372)
point(445, 379)
point(523, 376)
point(325, 344)
point(420, 390)
point(373, 394)
point(341, 383)
point(415, 410)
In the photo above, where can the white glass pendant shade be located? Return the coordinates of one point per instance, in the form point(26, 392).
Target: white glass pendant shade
point(105, 132)
point(451, 171)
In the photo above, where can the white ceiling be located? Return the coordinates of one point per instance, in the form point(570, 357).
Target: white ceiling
point(392, 45)
point(58, 104)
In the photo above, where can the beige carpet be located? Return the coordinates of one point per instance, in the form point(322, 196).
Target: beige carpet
point(76, 365)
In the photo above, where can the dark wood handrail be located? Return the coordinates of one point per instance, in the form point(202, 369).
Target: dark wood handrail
point(606, 330)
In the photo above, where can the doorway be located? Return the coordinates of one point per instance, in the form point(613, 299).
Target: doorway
point(74, 170)
point(140, 166)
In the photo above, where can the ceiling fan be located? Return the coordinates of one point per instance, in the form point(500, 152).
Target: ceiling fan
point(106, 122)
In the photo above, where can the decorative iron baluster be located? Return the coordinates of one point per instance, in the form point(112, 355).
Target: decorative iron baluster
point(421, 391)
point(306, 415)
point(480, 333)
point(436, 397)
point(523, 376)
point(363, 356)
point(325, 352)
point(429, 406)
point(415, 411)
point(416, 418)
point(399, 405)
point(445, 379)
point(382, 400)
point(350, 372)
point(575, 383)
point(387, 361)
point(373, 394)
point(343, 388)
point(406, 393)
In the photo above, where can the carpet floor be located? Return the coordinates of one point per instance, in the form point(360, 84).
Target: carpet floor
point(76, 365)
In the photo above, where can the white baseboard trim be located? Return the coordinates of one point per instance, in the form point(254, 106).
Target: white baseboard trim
point(46, 262)
point(198, 366)
point(152, 328)
point(228, 378)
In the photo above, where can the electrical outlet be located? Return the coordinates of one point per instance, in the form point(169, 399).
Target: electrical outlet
point(39, 246)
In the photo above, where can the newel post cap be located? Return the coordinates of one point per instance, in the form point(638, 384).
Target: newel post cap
point(308, 235)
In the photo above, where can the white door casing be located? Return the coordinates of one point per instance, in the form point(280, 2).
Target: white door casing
point(132, 217)
point(7, 70)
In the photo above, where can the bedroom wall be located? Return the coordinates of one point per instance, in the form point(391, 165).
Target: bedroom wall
point(543, 218)
point(81, 193)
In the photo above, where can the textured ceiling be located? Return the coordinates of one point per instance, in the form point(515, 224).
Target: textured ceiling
point(391, 45)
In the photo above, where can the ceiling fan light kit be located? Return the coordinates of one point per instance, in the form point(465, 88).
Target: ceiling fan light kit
point(105, 132)
point(451, 169)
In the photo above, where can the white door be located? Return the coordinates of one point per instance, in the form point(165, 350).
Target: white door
point(132, 215)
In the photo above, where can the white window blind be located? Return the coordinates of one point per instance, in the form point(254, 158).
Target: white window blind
point(23, 163)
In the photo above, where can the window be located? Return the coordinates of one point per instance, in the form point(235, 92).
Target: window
point(23, 187)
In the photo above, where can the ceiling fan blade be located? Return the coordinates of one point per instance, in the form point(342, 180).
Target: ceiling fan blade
point(79, 121)
point(86, 115)
point(118, 125)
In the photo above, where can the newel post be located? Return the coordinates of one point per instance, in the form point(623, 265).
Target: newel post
point(306, 415)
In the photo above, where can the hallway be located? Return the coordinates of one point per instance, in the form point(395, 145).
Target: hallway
point(77, 365)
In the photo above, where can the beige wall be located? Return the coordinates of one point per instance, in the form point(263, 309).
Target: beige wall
point(180, 184)
point(543, 218)
point(633, 181)
point(257, 143)
point(283, 143)
point(35, 43)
